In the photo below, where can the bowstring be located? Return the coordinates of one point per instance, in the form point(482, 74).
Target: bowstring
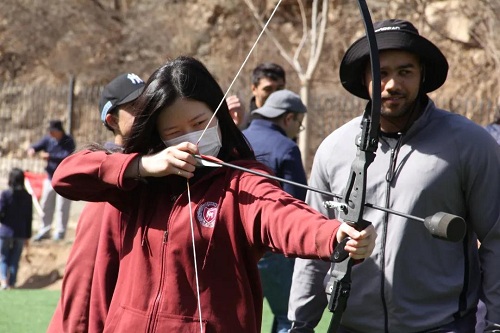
point(203, 133)
point(241, 68)
point(194, 256)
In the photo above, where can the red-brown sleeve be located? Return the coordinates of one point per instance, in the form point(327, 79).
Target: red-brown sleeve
point(281, 223)
point(94, 176)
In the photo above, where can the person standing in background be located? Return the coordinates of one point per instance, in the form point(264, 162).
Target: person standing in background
point(267, 78)
point(494, 127)
point(271, 135)
point(82, 285)
point(16, 213)
point(53, 147)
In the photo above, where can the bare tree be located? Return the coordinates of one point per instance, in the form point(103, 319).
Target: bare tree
point(305, 54)
point(485, 15)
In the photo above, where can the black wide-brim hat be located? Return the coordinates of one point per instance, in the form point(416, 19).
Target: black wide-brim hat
point(393, 35)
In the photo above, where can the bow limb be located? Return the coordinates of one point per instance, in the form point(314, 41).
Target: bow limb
point(339, 285)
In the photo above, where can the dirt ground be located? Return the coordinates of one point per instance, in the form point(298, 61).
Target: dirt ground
point(42, 263)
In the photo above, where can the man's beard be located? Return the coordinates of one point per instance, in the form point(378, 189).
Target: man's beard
point(403, 116)
point(403, 111)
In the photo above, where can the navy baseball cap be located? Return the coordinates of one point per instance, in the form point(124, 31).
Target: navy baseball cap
point(123, 89)
point(55, 125)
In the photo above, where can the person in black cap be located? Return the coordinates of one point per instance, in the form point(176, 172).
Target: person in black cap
point(428, 160)
point(82, 281)
point(53, 147)
point(116, 104)
point(278, 121)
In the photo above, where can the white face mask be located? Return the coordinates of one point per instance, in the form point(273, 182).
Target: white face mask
point(210, 143)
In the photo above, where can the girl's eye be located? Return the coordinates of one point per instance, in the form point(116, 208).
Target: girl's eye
point(172, 134)
point(201, 124)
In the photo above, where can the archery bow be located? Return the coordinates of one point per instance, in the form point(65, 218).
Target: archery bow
point(440, 225)
point(352, 207)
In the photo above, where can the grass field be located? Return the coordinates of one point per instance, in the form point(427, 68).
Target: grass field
point(29, 311)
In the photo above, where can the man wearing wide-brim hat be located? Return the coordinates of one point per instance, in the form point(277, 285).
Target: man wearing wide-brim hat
point(428, 160)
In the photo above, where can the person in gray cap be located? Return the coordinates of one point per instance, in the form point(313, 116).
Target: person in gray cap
point(271, 135)
point(82, 280)
point(428, 160)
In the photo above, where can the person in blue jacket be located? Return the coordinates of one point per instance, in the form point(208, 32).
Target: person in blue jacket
point(53, 147)
point(271, 135)
point(16, 211)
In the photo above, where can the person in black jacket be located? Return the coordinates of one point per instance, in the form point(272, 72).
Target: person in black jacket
point(16, 211)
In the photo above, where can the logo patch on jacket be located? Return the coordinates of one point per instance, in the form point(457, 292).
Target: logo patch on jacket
point(207, 213)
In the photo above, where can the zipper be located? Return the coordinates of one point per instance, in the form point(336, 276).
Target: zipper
point(388, 178)
point(156, 305)
point(392, 166)
point(382, 259)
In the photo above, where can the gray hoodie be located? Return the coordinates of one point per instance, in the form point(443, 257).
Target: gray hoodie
point(413, 282)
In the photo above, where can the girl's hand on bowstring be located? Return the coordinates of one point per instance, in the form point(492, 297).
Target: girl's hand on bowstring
point(361, 244)
point(175, 160)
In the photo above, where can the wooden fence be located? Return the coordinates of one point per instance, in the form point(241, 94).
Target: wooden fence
point(25, 111)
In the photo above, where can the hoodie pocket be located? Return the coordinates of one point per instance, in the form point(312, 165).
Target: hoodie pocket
point(126, 319)
point(180, 324)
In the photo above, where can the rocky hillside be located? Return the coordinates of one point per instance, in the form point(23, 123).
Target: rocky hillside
point(45, 42)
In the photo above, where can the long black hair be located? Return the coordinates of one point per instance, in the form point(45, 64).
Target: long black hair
point(16, 179)
point(183, 77)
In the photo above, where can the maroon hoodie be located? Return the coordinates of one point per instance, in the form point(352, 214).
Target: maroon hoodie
point(72, 312)
point(236, 217)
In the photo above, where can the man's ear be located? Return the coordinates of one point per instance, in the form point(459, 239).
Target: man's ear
point(112, 121)
point(289, 117)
